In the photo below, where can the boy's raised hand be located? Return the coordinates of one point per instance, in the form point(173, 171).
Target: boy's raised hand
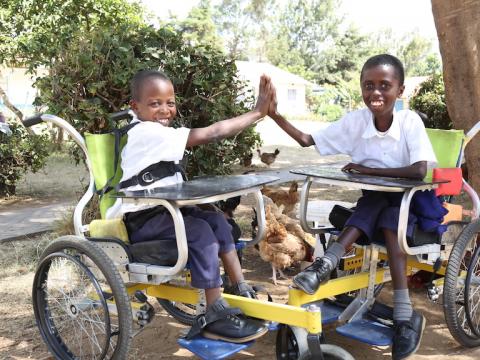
point(272, 108)
point(265, 94)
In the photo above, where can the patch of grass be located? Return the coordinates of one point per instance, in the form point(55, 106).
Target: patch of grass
point(60, 178)
point(245, 224)
point(20, 257)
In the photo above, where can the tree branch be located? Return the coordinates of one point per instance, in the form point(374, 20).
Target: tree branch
point(13, 109)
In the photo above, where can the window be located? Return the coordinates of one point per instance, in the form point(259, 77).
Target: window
point(292, 94)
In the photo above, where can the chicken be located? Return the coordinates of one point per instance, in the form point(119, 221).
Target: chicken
point(281, 197)
point(247, 160)
point(268, 158)
point(284, 243)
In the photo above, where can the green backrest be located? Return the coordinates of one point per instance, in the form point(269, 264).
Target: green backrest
point(447, 145)
point(101, 151)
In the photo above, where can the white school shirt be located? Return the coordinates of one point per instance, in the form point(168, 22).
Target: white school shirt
point(148, 143)
point(404, 143)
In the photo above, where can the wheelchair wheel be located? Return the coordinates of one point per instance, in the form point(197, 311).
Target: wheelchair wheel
point(292, 344)
point(461, 292)
point(183, 313)
point(80, 302)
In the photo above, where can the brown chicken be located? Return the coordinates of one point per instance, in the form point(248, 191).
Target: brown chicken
point(268, 158)
point(282, 197)
point(247, 160)
point(284, 243)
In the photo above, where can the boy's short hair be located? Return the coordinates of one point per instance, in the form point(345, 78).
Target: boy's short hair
point(139, 79)
point(385, 59)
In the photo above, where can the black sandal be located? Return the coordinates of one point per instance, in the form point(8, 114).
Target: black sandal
point(221, 322)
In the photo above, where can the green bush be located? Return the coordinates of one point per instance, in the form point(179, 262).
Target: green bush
point(430, 100)
point(327, 104)
point(18, 153)
point(91, 79)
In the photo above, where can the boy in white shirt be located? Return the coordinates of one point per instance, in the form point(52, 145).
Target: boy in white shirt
point(208, 233)
point(381, 142)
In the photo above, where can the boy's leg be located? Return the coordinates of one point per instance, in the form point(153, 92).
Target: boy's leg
point(314, 275)
point(408, 323)
point(361, 223)
point(223, 322)
point(223, 232)
point(233, 269)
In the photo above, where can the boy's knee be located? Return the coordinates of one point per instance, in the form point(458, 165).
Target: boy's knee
point(198, 229)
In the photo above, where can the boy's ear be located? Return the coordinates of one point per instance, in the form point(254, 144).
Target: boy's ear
point(400, 91)
point(133, 105)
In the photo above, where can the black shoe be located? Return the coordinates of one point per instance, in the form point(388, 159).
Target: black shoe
point(408, 335)
point(310, 279)
point(221, 322)
point(241, 289)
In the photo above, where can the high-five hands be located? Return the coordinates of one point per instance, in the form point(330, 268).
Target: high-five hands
point(265, 95)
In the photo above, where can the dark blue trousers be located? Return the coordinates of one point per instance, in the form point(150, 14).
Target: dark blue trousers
point(378, 210)
point(208, 235)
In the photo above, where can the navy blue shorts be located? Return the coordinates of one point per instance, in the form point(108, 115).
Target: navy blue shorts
point(208, 235)
point(378, 210)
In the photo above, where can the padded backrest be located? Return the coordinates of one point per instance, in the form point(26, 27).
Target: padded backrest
point(447, 145)
point(101, 151)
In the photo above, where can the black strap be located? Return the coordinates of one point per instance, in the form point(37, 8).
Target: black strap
point(118, 133)
point(209, 317)
point(151, 174)
point(147, 176)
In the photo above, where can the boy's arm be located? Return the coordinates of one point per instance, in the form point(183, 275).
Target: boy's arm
point(299, 136)
point(415, 171)
point(302, 138)
point(226, 128)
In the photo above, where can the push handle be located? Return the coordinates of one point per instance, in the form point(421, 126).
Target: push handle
point(120, 115)
point(33, 120)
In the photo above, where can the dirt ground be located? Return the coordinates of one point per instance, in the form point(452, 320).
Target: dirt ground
point(20, 339)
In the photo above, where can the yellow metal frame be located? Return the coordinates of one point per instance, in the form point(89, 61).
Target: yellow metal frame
point(356, 261)
point(295, 312)
point(307, 318)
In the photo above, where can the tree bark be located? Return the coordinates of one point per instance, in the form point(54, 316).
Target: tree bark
point(458, 29)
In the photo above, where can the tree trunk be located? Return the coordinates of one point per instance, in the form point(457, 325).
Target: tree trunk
point(458, 30)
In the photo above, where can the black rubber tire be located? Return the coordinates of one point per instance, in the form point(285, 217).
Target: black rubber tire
point(80, 249)
point(291, 343)
point(177, 312)
point(472, 307)
point(297, 345)
point(453, 297)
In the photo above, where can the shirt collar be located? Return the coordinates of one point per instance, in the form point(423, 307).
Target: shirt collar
point(134, 117)
point(371, 131)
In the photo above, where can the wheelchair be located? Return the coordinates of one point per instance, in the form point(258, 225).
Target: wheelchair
point(453, 259)
point(90, 289)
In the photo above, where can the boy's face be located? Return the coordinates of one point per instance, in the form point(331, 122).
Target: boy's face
point(156, 102)
point(380, 89)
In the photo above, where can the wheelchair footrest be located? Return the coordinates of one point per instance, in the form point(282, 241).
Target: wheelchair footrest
point(208, 349)
point(330, 312)
point(367, 331)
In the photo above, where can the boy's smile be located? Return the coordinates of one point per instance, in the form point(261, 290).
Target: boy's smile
point(156, 102)
point(380, 89)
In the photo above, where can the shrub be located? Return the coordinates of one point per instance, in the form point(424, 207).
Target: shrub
point(91, 78)
point(430, 100)
point(18, 153)
point(327, 104)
